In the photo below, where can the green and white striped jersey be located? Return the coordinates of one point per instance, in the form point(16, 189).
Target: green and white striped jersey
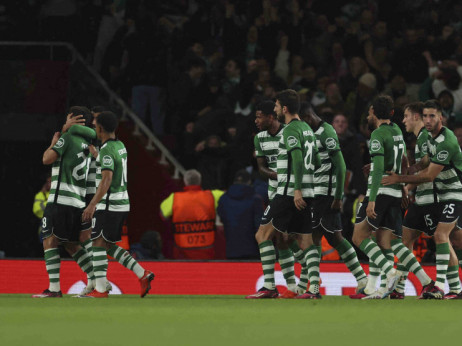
point(445, 150)
point(267, 146)
point(91, 180)
point(69, 172)
point(425, 193)
point(327, 142)
point(113, 156)
point(387, 141)
point(297, 135)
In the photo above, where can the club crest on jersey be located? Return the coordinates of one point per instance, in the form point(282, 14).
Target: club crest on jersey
point(107, 160)
point(424, 148)
point(442, 155)
point(375, 145)
point(292, 141)
point(59, 143)
point(330, 143)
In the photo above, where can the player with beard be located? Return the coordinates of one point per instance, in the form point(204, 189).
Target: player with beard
point(445, 170)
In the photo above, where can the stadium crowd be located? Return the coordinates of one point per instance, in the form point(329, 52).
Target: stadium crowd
point(194, 71)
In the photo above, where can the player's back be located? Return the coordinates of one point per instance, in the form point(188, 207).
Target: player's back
point(297, 135)
point(113, 156)
point(327, 143)
point(69, 171)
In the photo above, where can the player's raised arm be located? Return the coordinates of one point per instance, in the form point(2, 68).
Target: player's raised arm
point(52, 153)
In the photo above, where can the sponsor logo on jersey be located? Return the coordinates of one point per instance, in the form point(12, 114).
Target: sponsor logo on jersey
point(59, 143)
point(107, 160)
point(330, 143)
point(442, 155)
point(375, 145)
point(292, 141)
point(271, 158)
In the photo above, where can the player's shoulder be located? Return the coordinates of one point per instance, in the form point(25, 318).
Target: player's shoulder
point(423, 134)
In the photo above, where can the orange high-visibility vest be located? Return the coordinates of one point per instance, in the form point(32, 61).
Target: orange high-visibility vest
point(194, 219)
point(328, 252)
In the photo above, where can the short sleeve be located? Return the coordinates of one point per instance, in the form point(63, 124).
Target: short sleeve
point(62, 144)
point(257, 144)
point(376, 145)
point(106, 159)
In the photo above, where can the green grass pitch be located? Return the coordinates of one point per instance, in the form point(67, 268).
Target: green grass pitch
point(225, 320)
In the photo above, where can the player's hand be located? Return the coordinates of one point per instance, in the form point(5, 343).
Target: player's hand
point(336, 204)
point(300, 204)
point(367, 169)
point(93, 151)
point(391, 179)
point(370, 210)
point(77, 120)
point(87, 214)
point(55, 138)
point(404, 200)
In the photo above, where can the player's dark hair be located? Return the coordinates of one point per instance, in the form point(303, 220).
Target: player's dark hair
point(108, 121)
point(80, 110)
point(290, 99)
point(306, 109)
point(98, 109)
point(414, 107)
point(266, 107)
point(383, 106)
point(433, 104)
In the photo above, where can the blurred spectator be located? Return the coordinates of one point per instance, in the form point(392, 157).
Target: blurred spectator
point(356, 68)
point(240, 210)
point(41, 198)
point(357, 102)
point(458, 133)
point(149, 247)
point(213, 162)
point(334, 103)
point(193, 217)
point(446, 100)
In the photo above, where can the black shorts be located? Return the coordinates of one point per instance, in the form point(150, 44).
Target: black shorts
point(286, 218)
point(388, 210)
point(62, 221)
point(323, 216)
point(423, 218)
point(108, 224)
point(450, 212)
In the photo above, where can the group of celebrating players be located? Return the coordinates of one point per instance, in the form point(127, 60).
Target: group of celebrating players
point(88, 202)
point(306, 172)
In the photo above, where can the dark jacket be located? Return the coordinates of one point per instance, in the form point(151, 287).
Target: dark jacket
point(240, 210)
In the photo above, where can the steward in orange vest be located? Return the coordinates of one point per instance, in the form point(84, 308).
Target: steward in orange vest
point(193, 217)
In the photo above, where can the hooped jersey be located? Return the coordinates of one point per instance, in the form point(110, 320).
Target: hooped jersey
point(425, 193)
point(387, 141)
point(445, 150)
point(267, 146)
point(297, 135)
point(69, 172)
point(325, 180)
point(113, 156)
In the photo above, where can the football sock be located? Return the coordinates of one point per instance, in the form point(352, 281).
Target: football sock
point(53, 264)
point(299, 256)
point(124, 258)
point(453, 279)
point(459, 256)
point(374, 273)
point(286, 261)
point(349, 257)
point(442, 262)
point(312, 262)
point(408, 260)
point(87, 245)
point(85, 263)
point(401, 287)
point(100, 267)
point(388, 253)
point(268, 258)
point(372, 250)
